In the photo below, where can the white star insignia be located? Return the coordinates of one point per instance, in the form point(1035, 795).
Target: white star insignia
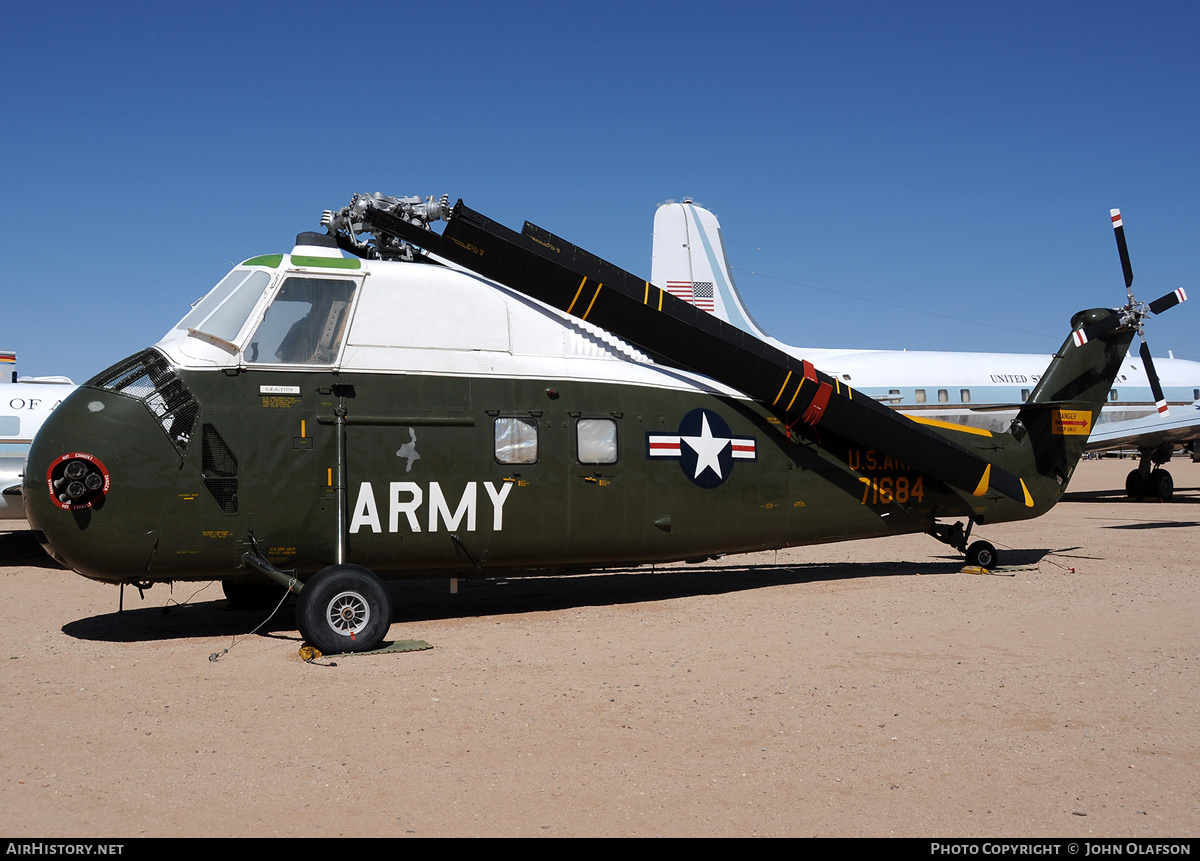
point(707, 448)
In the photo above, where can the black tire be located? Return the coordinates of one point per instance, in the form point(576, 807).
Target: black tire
point(251, 593)
point(1134, 486)
point(1163, 484)
point(983, 554)
point(344, 608)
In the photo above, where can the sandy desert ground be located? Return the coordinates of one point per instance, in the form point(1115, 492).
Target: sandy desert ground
point(864, 689)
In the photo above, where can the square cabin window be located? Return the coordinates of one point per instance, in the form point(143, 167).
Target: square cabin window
point(943, 396)
point(965, 394)
point(596, 440)
point(516, 440)
point(919, 396)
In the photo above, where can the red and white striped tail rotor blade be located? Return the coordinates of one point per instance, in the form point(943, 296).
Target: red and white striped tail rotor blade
point(1122, 249)
point(1175, 297)
point(1160, 400)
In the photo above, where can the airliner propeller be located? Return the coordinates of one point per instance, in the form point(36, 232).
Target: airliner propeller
point(1134, 314)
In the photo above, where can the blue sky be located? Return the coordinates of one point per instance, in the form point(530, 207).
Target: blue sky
point(893, 175)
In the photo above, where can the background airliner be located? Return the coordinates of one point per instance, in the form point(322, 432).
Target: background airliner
point(24, 406)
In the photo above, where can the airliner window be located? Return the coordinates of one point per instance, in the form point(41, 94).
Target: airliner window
point(919, 396)
point(965, 394)
point(516, 440)
point(597, 440)
point(943, 396)
point(305, 323)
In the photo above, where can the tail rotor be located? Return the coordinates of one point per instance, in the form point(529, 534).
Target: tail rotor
point(1134, 314)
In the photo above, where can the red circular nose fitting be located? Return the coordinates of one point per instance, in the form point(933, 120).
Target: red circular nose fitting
point(77, 480)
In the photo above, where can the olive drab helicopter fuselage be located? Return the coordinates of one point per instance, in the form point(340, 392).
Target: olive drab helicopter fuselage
point(478, 402)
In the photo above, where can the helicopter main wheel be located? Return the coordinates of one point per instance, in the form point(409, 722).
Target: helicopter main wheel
point(982, 554)
point(344, 608)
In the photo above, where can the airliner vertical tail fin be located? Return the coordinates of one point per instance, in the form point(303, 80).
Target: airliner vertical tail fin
point(688, 261)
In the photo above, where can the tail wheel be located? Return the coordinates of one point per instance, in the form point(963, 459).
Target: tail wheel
point(344, 608)
point(983, 555)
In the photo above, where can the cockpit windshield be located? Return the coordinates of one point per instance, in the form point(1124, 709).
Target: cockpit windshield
point(224, 310)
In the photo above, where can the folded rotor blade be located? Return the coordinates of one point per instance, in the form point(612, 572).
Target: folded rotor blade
point(564, 276)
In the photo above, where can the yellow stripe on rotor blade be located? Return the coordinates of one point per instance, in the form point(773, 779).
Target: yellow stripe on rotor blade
point(982, 487)
point(781, 388)
point(593, 302)
point(577, 292)
point(951, 426)
point(796, 393)
point(1028, 498)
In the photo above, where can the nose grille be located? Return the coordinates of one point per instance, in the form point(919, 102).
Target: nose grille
point(147, 377)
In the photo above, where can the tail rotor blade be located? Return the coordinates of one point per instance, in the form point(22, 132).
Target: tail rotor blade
point(1122, 249)
point(1160, 400)
point(1172, 299)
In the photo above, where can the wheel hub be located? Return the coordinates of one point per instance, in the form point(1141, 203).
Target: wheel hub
point(348, 613)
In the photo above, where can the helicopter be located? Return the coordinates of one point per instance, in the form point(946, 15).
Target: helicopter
point(387, 401)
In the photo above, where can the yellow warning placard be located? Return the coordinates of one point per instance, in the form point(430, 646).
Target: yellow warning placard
point(1070, 422)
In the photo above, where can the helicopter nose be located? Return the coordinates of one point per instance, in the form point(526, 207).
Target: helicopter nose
point(97, 482)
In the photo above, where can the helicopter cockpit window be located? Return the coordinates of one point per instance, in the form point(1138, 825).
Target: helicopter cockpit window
point(516, 440)
point(305, 323)
point(224, 310)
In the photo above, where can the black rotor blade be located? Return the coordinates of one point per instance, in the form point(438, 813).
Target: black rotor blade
point(1160, 400)
point(1172, 299)
point(1122, 249)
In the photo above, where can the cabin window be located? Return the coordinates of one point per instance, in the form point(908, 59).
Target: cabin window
point(919, 396)
point(305, 323)
point(10, 425)
point(965, 395)
point(596, 440)
point(1112, 394)
point(1024, 395)
point(1196, 394)
point(943, 396)
point(224, 310)
point(516, 440)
